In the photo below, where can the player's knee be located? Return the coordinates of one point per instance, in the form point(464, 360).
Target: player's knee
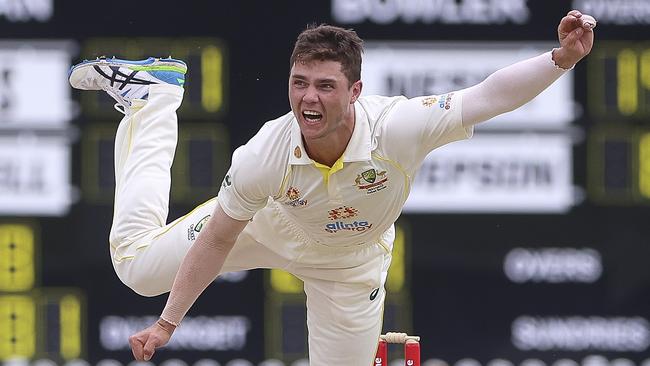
point(118, 239)
point(355, 324)
point(143, 283)
point(143, 286)
point(124, 234)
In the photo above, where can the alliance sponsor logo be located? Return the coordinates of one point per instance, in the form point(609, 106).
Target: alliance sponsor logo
point(371, 180)
point(195, 229)
point(335, 227)
point(343, 212)
point(293, 194)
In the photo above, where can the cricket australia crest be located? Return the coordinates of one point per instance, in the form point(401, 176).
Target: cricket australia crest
point(371, 180)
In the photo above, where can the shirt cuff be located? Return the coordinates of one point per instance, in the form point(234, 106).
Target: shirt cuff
point(558, 67)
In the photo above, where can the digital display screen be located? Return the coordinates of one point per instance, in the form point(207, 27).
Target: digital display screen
point(526, 245)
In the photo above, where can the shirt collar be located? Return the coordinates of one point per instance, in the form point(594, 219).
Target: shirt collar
point(358, 149)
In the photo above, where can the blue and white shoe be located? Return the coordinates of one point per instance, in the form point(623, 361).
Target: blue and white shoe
point(127, 80)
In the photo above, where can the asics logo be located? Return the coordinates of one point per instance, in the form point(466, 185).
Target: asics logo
point(120, 77)
point(373, 294)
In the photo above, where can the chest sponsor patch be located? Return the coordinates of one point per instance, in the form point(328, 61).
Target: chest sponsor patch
point(335, 227)
point(371, 180)
point(341, 216)
point(343, 212)
point(294, 196)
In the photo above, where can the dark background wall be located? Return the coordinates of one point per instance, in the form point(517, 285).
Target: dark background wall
point(457, 293)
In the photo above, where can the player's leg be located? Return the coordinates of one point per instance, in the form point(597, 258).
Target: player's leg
point(148, 92)
point(344, 319)
point(344, 323)
point(144, 151)
point(151, 270)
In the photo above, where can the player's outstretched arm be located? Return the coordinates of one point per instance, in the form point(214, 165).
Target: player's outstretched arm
point(515, 85)
point(199, 268)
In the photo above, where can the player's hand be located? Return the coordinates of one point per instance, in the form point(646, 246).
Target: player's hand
point(576, 36)
point(144, 343)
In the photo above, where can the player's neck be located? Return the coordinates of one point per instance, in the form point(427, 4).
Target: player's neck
point(328, 150)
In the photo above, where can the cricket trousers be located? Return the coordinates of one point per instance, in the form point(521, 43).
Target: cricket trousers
point(344, 286)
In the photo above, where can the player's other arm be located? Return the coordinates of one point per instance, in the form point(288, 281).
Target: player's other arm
point(513, 86)
point(199, 268)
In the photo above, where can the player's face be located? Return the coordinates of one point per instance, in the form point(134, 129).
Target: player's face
point(321, 98)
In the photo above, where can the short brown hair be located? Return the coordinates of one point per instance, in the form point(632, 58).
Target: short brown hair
point(329, 43)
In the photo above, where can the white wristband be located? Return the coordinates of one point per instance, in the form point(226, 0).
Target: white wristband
point(558, 67)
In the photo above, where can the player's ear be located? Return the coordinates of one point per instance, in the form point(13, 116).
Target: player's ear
point(356, 91)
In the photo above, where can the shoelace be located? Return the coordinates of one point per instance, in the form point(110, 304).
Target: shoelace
point(120, 108)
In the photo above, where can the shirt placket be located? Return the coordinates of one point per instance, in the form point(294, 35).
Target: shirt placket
point(334, 189)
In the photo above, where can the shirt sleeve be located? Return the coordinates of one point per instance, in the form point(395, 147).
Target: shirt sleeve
point(247, 185)
point(414, 127)
point(509, 88)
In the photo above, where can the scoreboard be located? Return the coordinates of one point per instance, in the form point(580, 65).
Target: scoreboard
point(524, 246)
point(619, 101)
point(619, 80)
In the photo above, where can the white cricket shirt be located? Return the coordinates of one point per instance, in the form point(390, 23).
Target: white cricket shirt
point(364, 195)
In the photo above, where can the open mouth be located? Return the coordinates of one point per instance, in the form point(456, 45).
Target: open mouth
point(312, 116)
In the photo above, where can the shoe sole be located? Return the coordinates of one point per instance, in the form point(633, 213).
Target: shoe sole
point(150, 64)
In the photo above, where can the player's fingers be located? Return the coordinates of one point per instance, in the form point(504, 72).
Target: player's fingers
point(150, 348)
point(575, 13)
point(570, 21)
point(574, 36)
point(137, 346)
point(567, 24)
point(588, 22)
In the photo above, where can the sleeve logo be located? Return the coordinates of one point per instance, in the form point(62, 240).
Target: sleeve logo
point(227, 182)
point(430, 101)
point(445, 101)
